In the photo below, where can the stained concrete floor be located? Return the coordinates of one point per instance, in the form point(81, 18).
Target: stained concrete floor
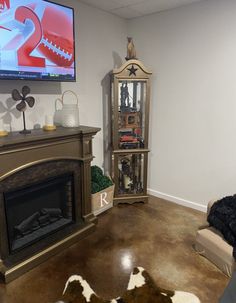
point(157, 236)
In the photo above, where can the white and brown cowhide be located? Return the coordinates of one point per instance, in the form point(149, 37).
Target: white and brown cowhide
point(141, 289)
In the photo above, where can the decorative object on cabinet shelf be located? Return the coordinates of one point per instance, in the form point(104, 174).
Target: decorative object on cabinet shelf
point(49, 125)
point(130, 100)
point(3, 132)
point(130, 174)
point(102, 189)
point(70, 111)
point(22, 105)
point(130, 119)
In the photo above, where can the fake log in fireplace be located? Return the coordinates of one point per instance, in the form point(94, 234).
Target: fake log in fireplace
point(45, 197)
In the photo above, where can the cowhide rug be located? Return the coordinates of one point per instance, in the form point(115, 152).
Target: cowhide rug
point(141, 289)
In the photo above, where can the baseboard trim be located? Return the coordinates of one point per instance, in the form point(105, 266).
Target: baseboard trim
point(178, 200)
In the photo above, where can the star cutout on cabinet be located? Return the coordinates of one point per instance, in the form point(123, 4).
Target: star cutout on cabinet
point(132, 70)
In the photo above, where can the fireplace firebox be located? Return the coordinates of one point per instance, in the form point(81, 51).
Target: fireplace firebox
point(45, 195)
point(38, 210)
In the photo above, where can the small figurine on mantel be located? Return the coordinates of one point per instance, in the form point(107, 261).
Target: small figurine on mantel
point(131, 52)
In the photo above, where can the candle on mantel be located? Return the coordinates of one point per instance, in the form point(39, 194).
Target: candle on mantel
point(1, 126)
point(49, 120)
point(3, 132)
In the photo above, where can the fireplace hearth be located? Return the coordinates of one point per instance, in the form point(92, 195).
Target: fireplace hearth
point(45, 195)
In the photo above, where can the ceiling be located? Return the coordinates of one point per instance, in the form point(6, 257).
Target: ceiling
point(129, 9)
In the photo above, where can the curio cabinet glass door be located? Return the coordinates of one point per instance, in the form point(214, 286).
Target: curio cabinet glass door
point(130, 99)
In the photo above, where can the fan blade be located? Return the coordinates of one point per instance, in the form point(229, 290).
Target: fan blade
point(25, 90)
point(21, 106)
point(30, 100)
point(16, 95)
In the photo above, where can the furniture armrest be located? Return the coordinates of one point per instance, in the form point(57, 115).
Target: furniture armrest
point(209, 205)
point(204, 225)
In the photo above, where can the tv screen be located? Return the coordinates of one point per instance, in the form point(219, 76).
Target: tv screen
point(36, 41)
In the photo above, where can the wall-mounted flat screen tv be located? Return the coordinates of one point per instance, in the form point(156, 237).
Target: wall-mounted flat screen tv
point(37, 41)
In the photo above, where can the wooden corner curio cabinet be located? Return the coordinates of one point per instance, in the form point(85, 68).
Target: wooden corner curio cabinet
point(130, 98)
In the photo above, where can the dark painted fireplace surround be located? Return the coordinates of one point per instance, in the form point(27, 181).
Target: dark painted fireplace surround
point(45, 202)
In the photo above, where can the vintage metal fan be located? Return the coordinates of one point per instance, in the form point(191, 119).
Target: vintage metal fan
point(22, 105)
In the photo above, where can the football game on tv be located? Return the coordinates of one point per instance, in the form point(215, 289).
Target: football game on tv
point(36, 40)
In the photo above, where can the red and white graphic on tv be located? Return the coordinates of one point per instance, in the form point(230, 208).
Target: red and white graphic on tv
point(4, 5)
point(57, 40)
point(23, 13)
point(51, 34)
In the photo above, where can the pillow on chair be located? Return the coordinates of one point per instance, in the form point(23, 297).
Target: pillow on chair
point(141, 289)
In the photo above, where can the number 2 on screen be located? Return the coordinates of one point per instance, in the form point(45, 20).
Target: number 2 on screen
point(23, 53)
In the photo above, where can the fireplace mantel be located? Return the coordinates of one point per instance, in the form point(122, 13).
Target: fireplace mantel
point(40, 141)
point(21, 153)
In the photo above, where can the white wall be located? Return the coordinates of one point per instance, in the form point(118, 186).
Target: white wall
point(192, 53)
point(100, 44)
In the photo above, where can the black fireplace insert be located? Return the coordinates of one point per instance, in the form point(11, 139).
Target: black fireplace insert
point(35, 211)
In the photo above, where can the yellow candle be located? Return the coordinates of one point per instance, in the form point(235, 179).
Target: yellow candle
point(49, 120)
point(1, 125)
